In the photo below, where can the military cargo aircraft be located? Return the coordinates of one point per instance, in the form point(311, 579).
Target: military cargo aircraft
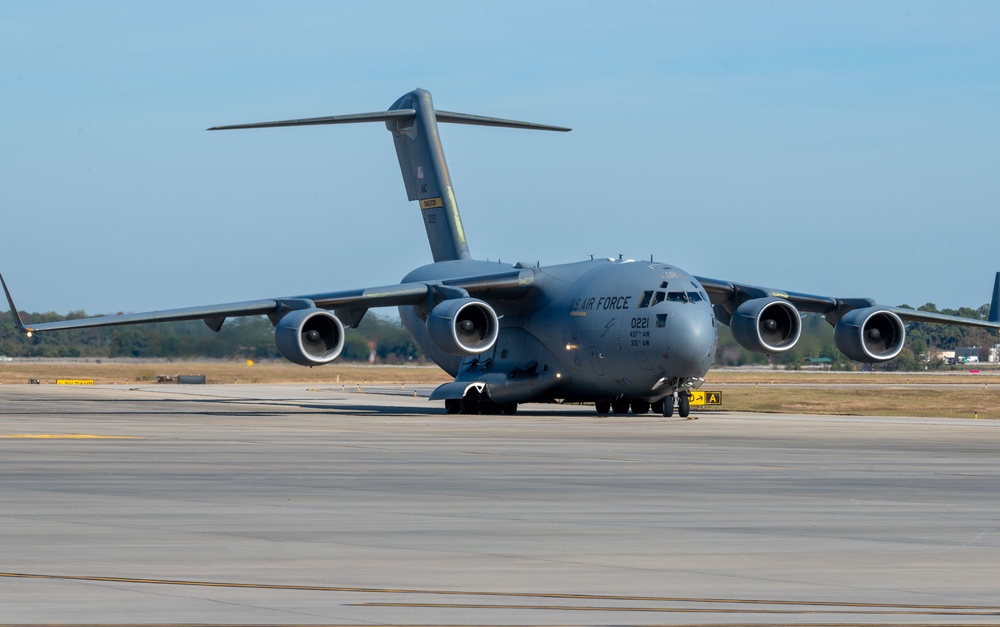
point(618, 333)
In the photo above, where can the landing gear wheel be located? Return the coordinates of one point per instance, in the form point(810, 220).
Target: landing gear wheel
point(657, 407)
point(603, 407)
point(684, 405)
point(472, 403)
point(640, 408)
point(668, 407)
point(453, 405)
point(509, 409)
point(620, 406)
point(489, 408)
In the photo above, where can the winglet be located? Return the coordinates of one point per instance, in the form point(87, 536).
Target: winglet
point(13, 308)
point(995, 304)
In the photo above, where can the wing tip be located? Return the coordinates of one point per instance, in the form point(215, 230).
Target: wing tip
point(13, 308)
point(995, 302)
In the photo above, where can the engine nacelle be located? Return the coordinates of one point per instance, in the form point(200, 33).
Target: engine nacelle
point(463, 326)
point(309, 337)
point(766, 325)
point(870, 335)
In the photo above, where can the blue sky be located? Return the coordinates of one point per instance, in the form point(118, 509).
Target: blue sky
point(849, 149)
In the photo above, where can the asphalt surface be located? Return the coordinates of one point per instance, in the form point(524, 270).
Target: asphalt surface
point(294, 505)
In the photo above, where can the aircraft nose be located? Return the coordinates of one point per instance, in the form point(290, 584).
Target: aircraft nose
point(692, 337)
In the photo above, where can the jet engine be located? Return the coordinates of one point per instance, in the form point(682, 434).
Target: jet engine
point(309, 337)
point(766, 325)
point(870, 335)
point(463, 326)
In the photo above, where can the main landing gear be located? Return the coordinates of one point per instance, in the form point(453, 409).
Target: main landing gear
point(664, 407)
point(474, 403)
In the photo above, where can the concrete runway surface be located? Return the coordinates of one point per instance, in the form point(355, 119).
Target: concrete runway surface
point(297, 505)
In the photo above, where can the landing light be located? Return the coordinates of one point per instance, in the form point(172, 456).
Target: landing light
point(28, 333)
point(570, 347)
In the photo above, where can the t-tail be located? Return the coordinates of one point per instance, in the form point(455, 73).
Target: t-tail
point(412, 120)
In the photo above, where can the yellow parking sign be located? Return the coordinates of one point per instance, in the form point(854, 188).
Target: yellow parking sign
point(702, 397)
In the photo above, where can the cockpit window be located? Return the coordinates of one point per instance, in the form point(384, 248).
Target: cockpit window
point(684, 297)
point(651, 298)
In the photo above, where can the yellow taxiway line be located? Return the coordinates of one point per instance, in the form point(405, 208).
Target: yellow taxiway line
point(65, 436)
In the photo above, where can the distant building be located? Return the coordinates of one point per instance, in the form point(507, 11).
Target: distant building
point(967, 355)
point(995, 354)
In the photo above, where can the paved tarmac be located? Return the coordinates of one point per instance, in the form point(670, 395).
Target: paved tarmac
point(294, 505)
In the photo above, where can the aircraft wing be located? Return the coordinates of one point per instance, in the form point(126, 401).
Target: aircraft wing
point(729, 296)
point(350, 304)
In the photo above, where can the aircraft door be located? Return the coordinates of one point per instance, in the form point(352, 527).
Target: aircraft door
point(596, 356)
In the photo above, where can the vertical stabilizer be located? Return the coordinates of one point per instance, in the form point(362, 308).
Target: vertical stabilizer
point(425, 175)
point(995, 303)
point(412, 120)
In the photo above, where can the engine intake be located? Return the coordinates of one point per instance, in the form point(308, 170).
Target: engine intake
point(309, 337)
point(870, 335)
point(463, 326)
point(766, 325)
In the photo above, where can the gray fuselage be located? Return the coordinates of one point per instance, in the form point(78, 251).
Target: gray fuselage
point(607, 329)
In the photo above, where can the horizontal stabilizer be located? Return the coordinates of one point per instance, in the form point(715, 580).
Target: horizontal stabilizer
point(481, 120)
point(376, 116)
point(383, 116)
point(413, 121)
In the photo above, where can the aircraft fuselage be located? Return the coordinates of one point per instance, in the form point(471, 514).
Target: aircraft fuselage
point(604, 329)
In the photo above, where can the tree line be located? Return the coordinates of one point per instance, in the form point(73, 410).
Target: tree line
point(253, 338)
point(817, 342)
point(250, 338)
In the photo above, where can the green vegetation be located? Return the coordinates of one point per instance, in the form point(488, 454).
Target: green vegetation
point(251, 338)
point(817, 343)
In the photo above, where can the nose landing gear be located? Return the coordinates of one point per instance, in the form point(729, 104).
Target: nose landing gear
point(679, 399)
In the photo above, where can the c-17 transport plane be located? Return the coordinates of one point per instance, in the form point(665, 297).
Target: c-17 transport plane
point(619, 333)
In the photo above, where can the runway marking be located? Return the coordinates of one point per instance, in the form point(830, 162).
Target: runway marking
point(713, 624)
point(847, 608)
point(66, 436)
point(977, 624)
point(839, 607)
